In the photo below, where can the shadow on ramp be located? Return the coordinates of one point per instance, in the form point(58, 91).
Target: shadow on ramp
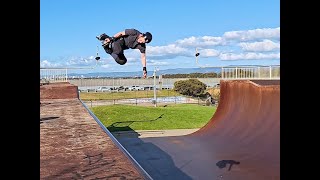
point(154, 160)
point(158, 163)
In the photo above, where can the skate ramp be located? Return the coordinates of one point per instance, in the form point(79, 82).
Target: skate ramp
point(73, 142)
point(240, 142)
point(63, 90)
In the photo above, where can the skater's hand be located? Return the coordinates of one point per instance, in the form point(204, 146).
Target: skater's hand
point(144, 69)
point(144, 74)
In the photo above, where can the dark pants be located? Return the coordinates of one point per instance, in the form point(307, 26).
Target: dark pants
point(116, 52)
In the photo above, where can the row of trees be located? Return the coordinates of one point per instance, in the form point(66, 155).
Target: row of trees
point(193, 75)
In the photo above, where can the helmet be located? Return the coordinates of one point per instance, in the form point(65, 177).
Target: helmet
point(148, 37)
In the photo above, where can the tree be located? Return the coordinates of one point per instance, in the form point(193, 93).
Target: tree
point(190, 87)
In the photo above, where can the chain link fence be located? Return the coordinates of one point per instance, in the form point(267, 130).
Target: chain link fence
point(161, 101)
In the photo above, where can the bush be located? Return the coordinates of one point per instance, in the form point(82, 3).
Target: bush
point(190, 87)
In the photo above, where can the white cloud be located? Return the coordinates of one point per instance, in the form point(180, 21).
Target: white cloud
point(265, 33)
point(248, 56)
point(131, 53)
point(209, 52)
point(46, 64)
point(72, 61)
point(265, 45)
point(204, 41)
point(79, 61)
point(169, 49)
point(106, 66)
point(158, 63)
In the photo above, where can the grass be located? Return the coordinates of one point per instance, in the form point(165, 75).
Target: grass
point(125, 95)
point(177, 116)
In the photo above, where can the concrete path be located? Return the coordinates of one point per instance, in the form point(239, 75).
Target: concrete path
point(152, 133)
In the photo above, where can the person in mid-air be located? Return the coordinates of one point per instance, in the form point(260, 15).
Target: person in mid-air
point(129, 38)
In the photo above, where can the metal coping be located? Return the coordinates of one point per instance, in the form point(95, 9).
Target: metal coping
point(135, 163)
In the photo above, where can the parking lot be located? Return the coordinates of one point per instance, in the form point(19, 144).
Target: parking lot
point(118, 88)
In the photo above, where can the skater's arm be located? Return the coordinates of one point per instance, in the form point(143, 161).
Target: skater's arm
point(143, 60)
point(126, 32)
point(144, 64)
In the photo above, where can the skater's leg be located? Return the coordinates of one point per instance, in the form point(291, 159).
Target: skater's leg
point(117, 53)
point(113, 47)
point(119, 58)
point(107, 49)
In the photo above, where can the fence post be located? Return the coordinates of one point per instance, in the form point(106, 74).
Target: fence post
point(236, 72)
point(221, 72)
point(270, 69)
point(66, 75)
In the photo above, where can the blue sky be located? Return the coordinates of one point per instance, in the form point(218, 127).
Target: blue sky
point(231, 32)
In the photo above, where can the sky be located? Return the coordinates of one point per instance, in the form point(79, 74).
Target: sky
point(231, 32)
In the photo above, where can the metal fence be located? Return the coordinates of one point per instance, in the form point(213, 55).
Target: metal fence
point(162, 101)
point(52, 75)
point(251, 72)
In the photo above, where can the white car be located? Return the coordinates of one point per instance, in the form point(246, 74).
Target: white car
point(136, 88)
point(102, 89)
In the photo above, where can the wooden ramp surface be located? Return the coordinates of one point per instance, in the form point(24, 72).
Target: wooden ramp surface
point(72, 143)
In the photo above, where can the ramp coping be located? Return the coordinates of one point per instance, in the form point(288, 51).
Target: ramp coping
point(117, 143)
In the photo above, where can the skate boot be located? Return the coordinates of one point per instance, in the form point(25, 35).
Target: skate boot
point(102, 37)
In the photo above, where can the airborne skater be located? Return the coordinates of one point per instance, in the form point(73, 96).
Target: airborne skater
point(129, 38)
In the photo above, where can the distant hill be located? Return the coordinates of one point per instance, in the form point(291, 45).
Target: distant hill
point(138, 73)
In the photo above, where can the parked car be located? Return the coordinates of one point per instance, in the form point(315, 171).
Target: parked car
point(122, 88)
point(102, 89)
point(90, 90)
point(136, 88)
point(148, 88)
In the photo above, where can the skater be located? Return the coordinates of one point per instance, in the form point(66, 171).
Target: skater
point(129, 38)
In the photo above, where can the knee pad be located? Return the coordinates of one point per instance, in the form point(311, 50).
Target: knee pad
point(121, 61)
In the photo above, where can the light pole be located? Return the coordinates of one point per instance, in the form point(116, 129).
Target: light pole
point(197, 54)
point(155, 87)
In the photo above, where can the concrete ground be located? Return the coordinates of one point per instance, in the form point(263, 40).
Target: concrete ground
point(152, 133)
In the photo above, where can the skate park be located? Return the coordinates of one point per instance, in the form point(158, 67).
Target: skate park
point(175, 91)
point(240, 141)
